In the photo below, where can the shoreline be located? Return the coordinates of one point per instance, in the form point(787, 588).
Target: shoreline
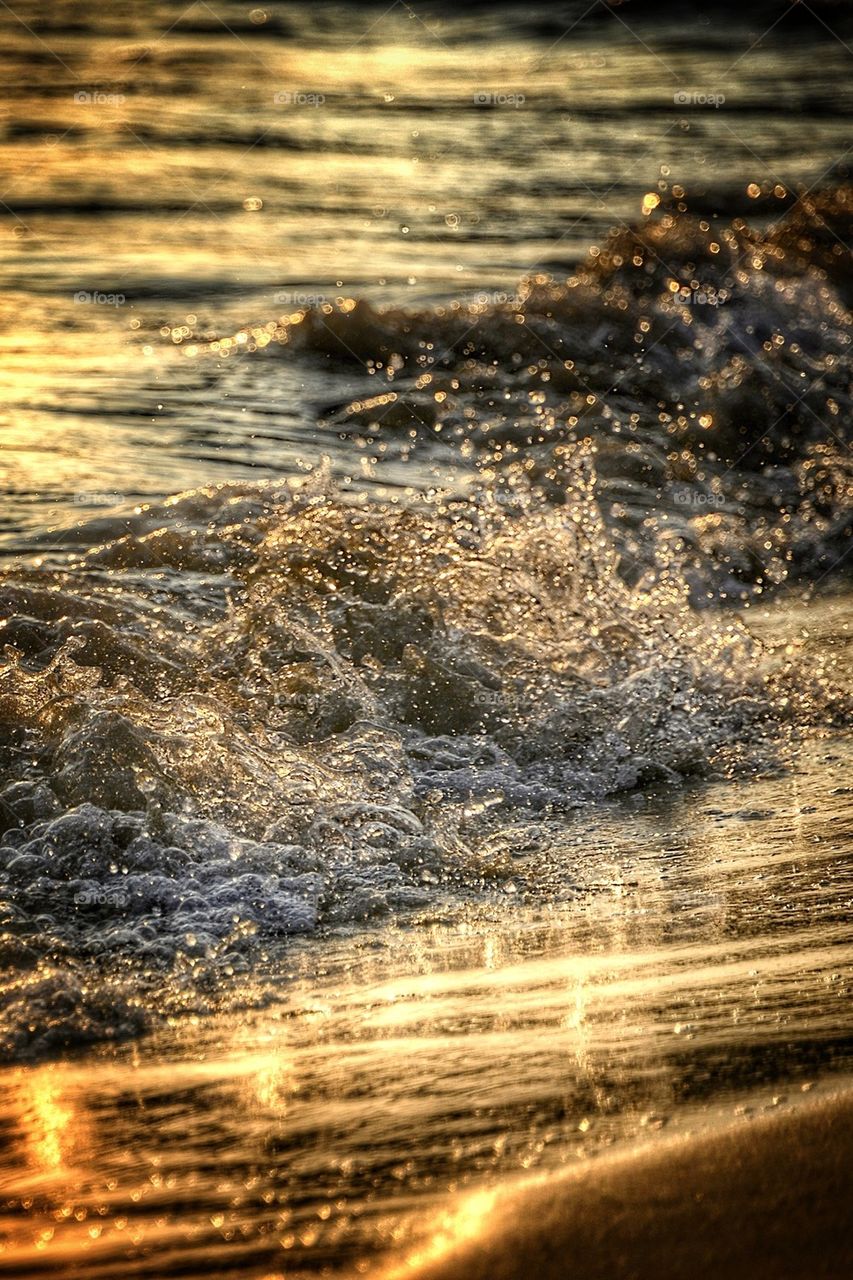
point(386, 1102)
point(766, 1198)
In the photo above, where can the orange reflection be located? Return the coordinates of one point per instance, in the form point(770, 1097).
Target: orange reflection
point(52, 1126)
point(464, 1223)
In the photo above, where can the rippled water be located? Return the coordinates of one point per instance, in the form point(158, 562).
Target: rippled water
point(695, 961)
point(425, 643)
point(207, 167)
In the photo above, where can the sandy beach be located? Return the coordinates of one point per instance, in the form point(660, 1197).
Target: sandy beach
point(768, 1199)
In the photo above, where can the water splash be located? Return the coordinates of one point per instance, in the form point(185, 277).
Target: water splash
point(325, 715)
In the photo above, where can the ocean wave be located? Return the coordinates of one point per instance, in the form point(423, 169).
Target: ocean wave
point(259, 711)
point(271, 709)
point(706, 362)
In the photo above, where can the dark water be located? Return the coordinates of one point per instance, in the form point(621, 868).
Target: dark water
point(196, 169)
point(449, 578)
point(424, 631)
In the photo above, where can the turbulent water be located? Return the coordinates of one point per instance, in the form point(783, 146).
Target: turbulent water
point(173, 168)
point(424, 620)
point(684, 959)
point(707, 365)
point(263, 709)
point(349, 689)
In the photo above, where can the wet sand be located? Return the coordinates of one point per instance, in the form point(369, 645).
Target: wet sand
point(769, 1197)
point(666, 965)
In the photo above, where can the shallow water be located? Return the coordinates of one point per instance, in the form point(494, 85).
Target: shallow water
point(138, 146)
point(698, 964)
point(425, 641)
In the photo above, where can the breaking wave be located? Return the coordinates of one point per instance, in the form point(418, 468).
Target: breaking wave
point(263, 710)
